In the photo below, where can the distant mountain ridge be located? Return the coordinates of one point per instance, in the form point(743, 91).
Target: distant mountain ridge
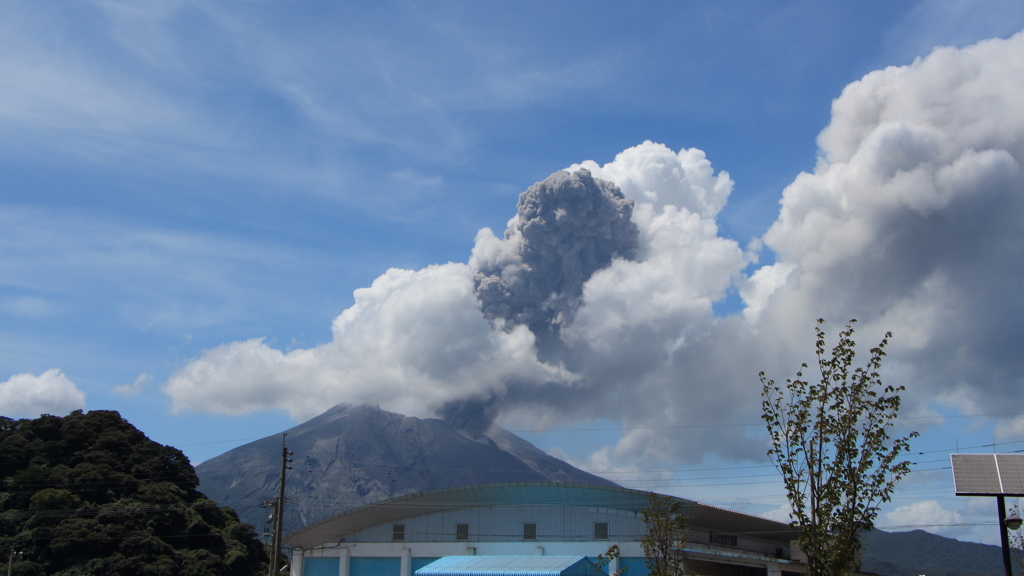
point(355, 455)
point(918, 552)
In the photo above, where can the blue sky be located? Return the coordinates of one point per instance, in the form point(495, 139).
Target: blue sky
point(181, 178)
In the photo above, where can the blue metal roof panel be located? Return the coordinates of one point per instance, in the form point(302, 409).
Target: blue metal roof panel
point(508, 566)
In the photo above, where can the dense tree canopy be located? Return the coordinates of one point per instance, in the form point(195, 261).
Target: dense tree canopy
point(90, 494)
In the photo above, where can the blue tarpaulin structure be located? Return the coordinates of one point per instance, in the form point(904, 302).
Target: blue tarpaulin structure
point(508, 566)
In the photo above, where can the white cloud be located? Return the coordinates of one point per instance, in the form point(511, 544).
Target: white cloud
point(684, 267)
point(965, 519)
point(654, 174)
point(910, 222)
point(196, 86)
point(925, 515)
point(412, 341)
point(27, 395)
point(931, 23)
point(141, 381)
point(760, 286)
point(783, 513)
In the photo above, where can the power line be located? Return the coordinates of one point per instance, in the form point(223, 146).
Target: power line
point(682, 426)
point(946, 450)
point(684, 482)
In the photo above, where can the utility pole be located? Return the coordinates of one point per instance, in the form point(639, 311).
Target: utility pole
point(10, 560)
point(275, 554)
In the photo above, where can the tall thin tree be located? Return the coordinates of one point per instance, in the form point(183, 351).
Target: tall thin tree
point(831, 441)
point(666, 535)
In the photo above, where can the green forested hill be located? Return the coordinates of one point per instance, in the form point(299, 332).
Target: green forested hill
point(90, 494)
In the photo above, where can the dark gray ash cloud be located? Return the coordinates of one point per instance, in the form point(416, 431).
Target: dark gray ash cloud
point(567, 227)
point(471, 417)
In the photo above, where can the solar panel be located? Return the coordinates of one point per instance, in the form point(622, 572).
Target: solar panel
point(988, 474)
point(1011, 473)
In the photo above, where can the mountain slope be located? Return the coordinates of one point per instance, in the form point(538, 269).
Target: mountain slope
point(354, 455)
point(919, 552)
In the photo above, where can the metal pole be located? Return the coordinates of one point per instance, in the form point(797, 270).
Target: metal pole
point(273, 540)
point(10, 561)
point(275, 554)
point(1003, 536)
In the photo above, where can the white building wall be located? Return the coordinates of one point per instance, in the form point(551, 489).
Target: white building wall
point(498, 531)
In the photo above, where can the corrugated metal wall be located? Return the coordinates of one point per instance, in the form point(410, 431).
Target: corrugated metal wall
point(375, 567)
point(320, 567)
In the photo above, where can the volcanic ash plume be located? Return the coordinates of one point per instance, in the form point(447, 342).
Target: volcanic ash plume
point(600, 300)
point(567, 227)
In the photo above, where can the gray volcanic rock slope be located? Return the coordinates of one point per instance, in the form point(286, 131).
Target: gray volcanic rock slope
point(354, 455)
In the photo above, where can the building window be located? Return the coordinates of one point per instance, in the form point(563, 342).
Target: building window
point(398, 532)
point(462, 531)
point(600, 530)
point(529, 531)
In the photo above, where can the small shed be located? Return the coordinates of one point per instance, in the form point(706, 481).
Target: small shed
point(508, 566)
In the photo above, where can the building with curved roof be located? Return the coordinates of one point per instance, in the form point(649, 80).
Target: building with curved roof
point(398, 536)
